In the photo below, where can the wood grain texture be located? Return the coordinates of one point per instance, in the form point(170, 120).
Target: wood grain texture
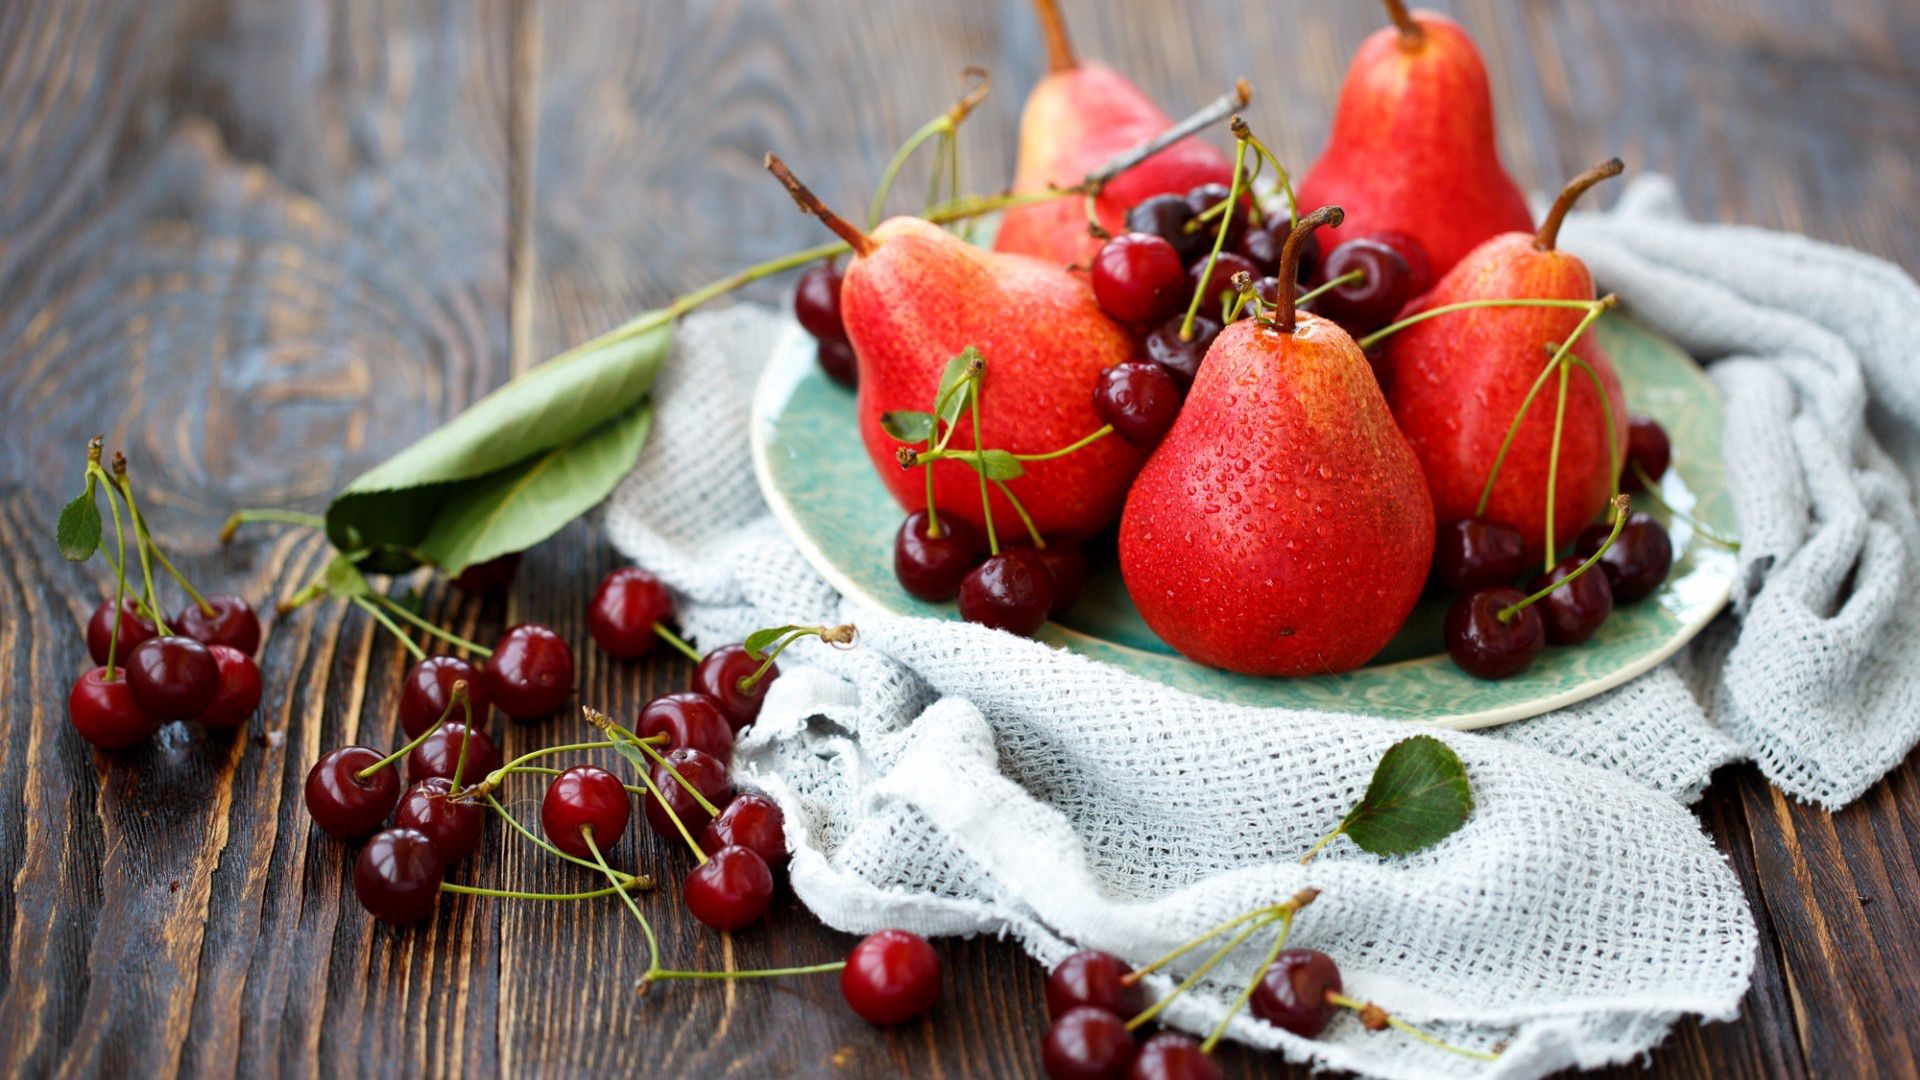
point(263, 243)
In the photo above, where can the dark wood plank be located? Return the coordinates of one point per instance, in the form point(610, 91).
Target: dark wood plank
point(262, 243)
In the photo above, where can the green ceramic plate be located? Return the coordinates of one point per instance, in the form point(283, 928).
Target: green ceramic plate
point(815, 476)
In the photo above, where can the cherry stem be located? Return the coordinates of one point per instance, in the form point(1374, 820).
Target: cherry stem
point(1296, 902)
point(1059, 47)
point(410, 744)
point(466, 735)
point(513, 894)
point(943, 125)
point(980, 467)
point(1367, 1008)
point(146, 564)
point(1240, 134)
point(933, 516)
point(841, 635)
point(637, 881)
point(380, 617)
point(1329, 216)
point(1026, 519)
point(1553, 462)
point(1212, 961)
point(1390, 329)
point(1324, 841)
point(680, 826)
point(1411, 33)
point(1615, 456)
point(648, 748)
point(1620, 502)
point(119, 575)
point(427, 625)
point(1286, 181)
point(144, 536)
point(1652, 491)
point(1351, 277)
point(1576, 187)
point(668, 975)
point(284, 517)
point(1246, 992)
point(860, 242)
point(653, 943)
point(679, 643)
point(1594, 309)
point(1083, 441)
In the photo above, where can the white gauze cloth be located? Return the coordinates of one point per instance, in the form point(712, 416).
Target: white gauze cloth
point(951, 779)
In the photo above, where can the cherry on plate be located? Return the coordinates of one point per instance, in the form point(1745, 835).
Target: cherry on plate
point(1474, 553)
point(1141, 399)
point(730, 890)
point(1574, 611)
point(439, 755)
point(624, 610)
point(754, 822)
point(840, 362)
point(719, 675)
point(239, 693)
point(688, 719)
point(398, 875)
point(173, 677)
point(1011, 591)
point(231, 623)
point(1067, 570)
point(1648, 448)
point(452, 824)
point(891, 977)
point(1085, 1043)
point(584, 797)
point(1639, 559)
point(816, 302)
point(1094, 978)
point(705, 773)
point(428, 689)
point(1484, 644)
point(346, 805)
point(932, 567)
point(530, 672)
point(134, 629)
point(103, 711)
point(1292, 993)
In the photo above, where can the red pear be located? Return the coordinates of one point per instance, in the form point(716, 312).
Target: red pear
point(1282, 526)
point(1456, 381)
point(1412, 146)
point(913, 297)
point(1077, 119)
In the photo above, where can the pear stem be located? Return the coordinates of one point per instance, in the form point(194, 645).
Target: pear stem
point(1059, 47)
point(1411, 33)
point(1576, 187)
point(846, 230)
point(1329, 216)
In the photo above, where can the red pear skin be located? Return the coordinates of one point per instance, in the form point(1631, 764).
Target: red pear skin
point(1282, 527)
point(1412, 146)
point(1075, 121)
point(1456, 381)
point(919, 298)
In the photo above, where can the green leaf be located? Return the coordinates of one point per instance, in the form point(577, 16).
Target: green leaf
point(949, 403)
point(78, 531)
point(1001, 465)
point(516, 508)
point(908, 426)
point(433, 501)
point(1418, 796)
point(760, 641)
point(342, 578)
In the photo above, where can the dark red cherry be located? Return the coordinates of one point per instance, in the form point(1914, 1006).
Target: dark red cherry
point(1292, 994)
point(1095, 978)
point(490, 576)
point(1473, 553)
point(239, 693)
point(134, 629)
point(1067, 570)
point(452, 824)
point(840, 362)
point(1086, 1043)
point(428, 688)
point(346, 805)
point(891, 977)
point(719, 675)
point(688, 719)
point(624, 610)
point(1572, 612)
point(1166, 217)
point(754, 822)
point(584, 797)
point(1011, 591)
point(231, 623)
point(730, 890)
point(1649, 448)
point(1486, 645)
point(1638, 561)
point(1172, 1056)
point(930, 567)
point(1139, 398)
point(439, 755)
point(1180, 355)
point(1138, 278)
point(530, 672)
point(1218, 284)
point(707, 775)
point(1371, 302)
point(173, 677)
point(1206, 197)
point(104, 713)
point(816, 302)
point(1414, 254)
point(397, 876)
point(1261, 245)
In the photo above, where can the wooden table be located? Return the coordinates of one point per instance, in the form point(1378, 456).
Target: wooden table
point(262, 244)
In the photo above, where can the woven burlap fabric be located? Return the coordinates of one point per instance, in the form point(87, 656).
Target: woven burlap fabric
point(956, 780)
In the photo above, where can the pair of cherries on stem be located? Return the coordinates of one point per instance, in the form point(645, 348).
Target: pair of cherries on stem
point(1015, 590)
point(628, 615)
point(203, 669)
